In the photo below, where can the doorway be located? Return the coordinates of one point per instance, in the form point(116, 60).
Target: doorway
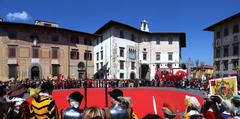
point(35, 72)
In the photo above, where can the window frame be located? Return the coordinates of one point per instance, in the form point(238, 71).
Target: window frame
point(12, 51)
point(121, 66)
point(158, 56)
point(170, 56)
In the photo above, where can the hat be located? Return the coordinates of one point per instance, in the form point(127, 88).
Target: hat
point(76, 96)
point(216, 99)
point(192, 102)
point(236, 101)
point(169, 109)
point(115, 93)
point(17, 91)
point(47, 86)
point(34, 91)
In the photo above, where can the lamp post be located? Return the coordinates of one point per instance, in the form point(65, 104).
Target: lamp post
point(85, 82)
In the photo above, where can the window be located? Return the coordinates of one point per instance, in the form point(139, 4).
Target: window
point(217, 63)
point(121, 75)
point(12, 36)
point(74, 54)
point(74, 40)
point(55, 69)
point(12, 71)
point(235, 28)
point(217, 52)
point(226, 32)
point(55, 38)
point(218, 34)
point(34, 36)
point(121, 64)
point(87, 42)
point(55, 52)
point(235, 38)
point(225, 63)
point(97, 54)
point(225, 53)
point(12, 51)
point(97, 40)
point(132, 53)
point(158, 41)
point(101, 55)
point(170, 56)
point(121, 51)
point(235, 50)
point(35, 52)
point(158, 55)
point(235, 64)
point(132, 65)
point(144, 56)
point(101, 64)
point(97, 66)
point(87, 55)
point(170, 40)
point(132, 37)
point(121, 35)
point(169, 65)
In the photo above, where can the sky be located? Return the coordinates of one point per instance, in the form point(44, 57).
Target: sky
point(189, 16)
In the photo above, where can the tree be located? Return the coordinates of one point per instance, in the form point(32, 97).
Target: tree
point(189, 62)
point(197, 62)
point(202, 63)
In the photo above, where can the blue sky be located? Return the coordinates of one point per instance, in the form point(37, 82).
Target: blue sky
point(190, 16)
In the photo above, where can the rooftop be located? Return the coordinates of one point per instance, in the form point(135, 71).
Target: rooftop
point(212, 27)
point(113, 23)
point(45, 27)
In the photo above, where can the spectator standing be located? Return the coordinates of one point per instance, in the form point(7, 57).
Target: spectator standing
point(93, 113)
point(193, 108)
point(44, 106)
point(73, 112)
point(120, 108)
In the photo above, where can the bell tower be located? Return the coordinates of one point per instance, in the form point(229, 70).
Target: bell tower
point(144, 25)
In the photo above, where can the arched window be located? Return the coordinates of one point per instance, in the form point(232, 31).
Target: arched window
point(81, 65)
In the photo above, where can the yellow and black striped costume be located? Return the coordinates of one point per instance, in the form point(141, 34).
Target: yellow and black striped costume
point(43, 108)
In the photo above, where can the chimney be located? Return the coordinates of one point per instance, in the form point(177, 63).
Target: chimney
point(144, 25)
point(44, 23)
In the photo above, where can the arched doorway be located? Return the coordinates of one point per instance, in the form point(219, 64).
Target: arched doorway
point(35, 72)
point(132, 75)
point(81, 70)
point(145, 71)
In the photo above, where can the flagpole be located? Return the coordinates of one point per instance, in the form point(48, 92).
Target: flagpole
point(85, 82)
point(106, 89)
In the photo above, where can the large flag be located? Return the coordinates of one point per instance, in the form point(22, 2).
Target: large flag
point(225, 87)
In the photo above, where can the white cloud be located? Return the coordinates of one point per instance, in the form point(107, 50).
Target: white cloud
point(17, 16)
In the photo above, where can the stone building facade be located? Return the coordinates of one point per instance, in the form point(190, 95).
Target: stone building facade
point(41, 50)
point(226, 42)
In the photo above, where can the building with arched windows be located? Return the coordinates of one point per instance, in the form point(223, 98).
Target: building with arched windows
point(43, 49)
point(115, 50)
point(125, 52)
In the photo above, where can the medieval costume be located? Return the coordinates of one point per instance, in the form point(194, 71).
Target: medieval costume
point(74, 111)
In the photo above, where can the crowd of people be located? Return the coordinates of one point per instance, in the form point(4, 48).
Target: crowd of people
point(14, 106)
point(111, 83)
point(13, 95)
